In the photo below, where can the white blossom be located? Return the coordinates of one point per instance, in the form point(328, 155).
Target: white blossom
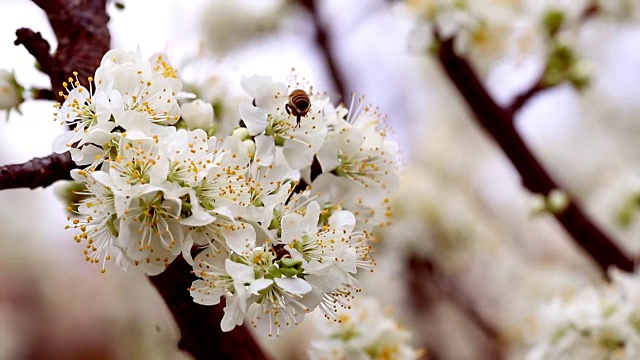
point(198, 114)
point(99, 223)
point(272, 126)
point(155, 190)
point(363, 332)
point(592, 323)
point(11, 93)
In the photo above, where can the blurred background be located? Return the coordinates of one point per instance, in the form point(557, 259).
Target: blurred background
point(466, 263)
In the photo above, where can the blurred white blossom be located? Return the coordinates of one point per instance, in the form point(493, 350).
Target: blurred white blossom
point(11, 93)
point(595, 322)
point(366, 331)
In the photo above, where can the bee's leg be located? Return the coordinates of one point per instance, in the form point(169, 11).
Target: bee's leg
point(298, 121)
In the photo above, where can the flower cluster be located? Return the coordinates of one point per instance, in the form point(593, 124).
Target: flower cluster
point(594, 323)
point(489, 30)
point(363, 332)
point(280, 211)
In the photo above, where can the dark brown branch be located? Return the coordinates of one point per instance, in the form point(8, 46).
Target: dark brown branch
point(324, 42)
point(83, 38)
point(39, 172)
point(42, 94)
point(37, 46)
point(498, 122)
point(525, 96)
point(199, 324)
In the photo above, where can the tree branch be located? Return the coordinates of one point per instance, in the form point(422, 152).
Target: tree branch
point(37, 46)
point(498, 122)
point(42, 94)
point(83, 38)
point(520, 100)
point(38, 172)
point(525, 96)
point(199, 324)
point(324, 42)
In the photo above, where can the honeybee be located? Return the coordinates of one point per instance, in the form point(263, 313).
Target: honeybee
point(299, 105)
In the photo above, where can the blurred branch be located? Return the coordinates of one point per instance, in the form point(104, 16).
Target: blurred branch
point(498, 122)
point(83, 38)
point(324, 42)
point(42, 94)
point(525, 96)
point(199, 324)
point(426, 281)
point(38, 172)
point(520, 100)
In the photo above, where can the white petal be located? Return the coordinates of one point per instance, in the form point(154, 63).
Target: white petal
point(342, 220)
point(224, 212)
point(86, 155)
point(298, 154)
point(239, 272)
point(211, 297)
point(328, 156)
point(102, 177)
point(291, 228)
point(265, 150)
point(294, 285)
point(61, 142)
point(132, 121)
point(251, 84)
point(233, 314)
point(259, 284)
point(186, 250)
point(254, 118)
point(241, 238)
point(200, 219)
point(117, 105)
point(312, 215)
point(121, 203)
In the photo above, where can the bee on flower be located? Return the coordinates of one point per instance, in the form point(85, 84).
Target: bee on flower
point(157, 185)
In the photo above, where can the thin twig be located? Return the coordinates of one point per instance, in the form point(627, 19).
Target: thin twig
point(42, 94)
point(324, 42)
point(37, 46)
point(498, 122)
point(520, 100)
point(537, 87)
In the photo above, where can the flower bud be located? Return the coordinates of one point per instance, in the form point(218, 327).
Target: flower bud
point(198, 114)
point(537, 204)
point(251, 147)
point(10, 91)
point(241, 133)
point(558, 201)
